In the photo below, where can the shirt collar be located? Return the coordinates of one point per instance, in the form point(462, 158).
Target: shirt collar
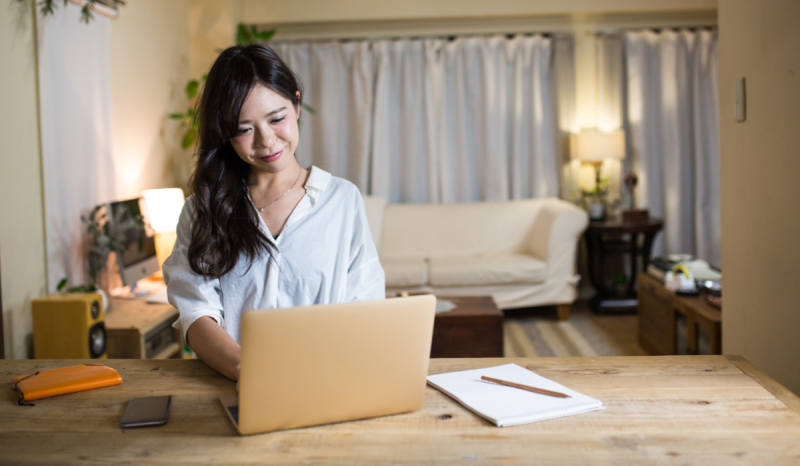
point(317, 181)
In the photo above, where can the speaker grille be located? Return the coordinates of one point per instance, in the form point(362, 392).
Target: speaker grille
point(97, 340)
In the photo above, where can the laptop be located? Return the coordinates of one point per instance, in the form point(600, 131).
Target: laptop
point(314, 365)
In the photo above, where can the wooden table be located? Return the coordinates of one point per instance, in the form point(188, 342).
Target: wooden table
point(673, 324)
point(137, 329)
point(474, 329)
point(599, 246)
point(700, 410)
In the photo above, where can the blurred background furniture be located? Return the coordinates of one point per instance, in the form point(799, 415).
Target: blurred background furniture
point(522, 253)
point(606, 238)
point(2, 340)
point(140, 330)
point(672, 324)
point(474, 329)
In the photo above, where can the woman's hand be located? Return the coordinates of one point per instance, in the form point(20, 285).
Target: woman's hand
point(215, 347)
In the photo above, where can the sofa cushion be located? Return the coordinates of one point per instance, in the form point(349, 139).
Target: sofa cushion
point(405, 272)
point(486, 270)
point(375, 207)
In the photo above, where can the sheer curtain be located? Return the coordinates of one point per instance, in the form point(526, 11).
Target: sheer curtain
point(471, 119)
point(673, 125)
point(405, 143)
point(339, 81)
point(75, 104)
point(500, 124)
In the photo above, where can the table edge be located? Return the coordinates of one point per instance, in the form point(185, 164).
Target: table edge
point(777, 390)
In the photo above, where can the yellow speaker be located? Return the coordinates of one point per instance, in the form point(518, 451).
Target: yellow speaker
point(69, 326)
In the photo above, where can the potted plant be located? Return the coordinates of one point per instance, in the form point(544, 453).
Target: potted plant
point(106, 237)
point(594, 200)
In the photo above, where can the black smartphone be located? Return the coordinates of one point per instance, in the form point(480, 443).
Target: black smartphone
point(146, 412)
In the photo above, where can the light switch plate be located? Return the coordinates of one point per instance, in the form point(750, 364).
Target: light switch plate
point(740, 100)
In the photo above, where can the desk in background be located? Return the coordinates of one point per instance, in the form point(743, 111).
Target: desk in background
point(659, 410)
point(136, 329)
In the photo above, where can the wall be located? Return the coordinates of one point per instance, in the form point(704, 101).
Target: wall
point(290, 11)
point(149, 70)
point(21, 210)
point(760, 188)
point(366, 18)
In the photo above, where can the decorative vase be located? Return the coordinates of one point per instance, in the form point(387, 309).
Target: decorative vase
point(596, 210)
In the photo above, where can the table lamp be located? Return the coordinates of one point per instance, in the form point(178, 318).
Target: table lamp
point(164, 209)
point(594, 147)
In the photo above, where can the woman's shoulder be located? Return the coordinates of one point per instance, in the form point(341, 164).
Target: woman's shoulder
point(333, 186)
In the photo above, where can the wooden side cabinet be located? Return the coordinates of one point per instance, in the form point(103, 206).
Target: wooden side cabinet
point(672, 324)
point(136, 329)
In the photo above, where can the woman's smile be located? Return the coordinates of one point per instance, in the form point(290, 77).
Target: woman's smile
point(272, 157)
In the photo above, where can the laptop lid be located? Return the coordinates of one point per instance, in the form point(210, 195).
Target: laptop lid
point(314, 365)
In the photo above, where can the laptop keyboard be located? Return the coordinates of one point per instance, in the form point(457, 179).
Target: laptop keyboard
point(234, 410)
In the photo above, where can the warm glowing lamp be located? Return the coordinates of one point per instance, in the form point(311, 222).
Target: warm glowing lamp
point(594, 147)
point(164, 209)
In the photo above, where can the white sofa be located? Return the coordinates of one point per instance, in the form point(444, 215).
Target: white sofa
point(520, 252)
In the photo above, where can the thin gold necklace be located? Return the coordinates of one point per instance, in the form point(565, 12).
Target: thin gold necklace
point(261, 209)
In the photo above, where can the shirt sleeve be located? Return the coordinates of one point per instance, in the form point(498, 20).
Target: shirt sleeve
point(193, 295)
point(365, 277)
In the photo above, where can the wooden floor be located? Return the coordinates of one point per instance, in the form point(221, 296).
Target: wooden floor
point(538, 332)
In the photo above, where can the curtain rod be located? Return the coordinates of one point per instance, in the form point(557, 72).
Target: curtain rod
point(447, 37)
point(609, 31)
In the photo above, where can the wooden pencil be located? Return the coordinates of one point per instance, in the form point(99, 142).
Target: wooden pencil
point(541, 391)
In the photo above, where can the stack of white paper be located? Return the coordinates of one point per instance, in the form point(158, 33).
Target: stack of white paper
point(508, 406)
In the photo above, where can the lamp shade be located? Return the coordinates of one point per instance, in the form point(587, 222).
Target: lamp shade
point(164, 208)
point(595, 146)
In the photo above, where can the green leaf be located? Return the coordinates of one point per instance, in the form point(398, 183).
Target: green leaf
point(189, 138)
point(190, 113)
point(265, 36)
point(61, 285)
point(78, 289)
point(204, 77)
point(308, 108)
point(177, 116)
point(242, 36)
point(191, 88)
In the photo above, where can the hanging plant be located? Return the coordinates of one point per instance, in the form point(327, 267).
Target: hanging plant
point(48, 7)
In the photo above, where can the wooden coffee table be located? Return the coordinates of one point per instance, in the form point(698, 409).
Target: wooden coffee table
point(474, 329)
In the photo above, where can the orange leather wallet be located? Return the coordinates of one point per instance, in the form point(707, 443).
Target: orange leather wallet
point(64, 380)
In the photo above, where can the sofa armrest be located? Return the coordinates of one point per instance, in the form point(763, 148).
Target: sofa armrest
point(554, 238)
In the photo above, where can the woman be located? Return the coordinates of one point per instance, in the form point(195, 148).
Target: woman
point(260, 231)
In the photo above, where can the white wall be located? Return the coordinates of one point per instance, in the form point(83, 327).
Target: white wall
point(21, 209)
point(149, 70)
point(760, 169)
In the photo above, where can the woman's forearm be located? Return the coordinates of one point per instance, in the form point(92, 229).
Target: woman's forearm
point(215, 347)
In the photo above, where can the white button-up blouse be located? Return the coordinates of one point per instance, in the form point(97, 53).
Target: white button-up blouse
point(325, 254)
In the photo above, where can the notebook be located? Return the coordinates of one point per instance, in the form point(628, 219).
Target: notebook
point(509, 406)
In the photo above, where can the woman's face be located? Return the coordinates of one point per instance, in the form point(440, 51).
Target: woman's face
point(268, 133)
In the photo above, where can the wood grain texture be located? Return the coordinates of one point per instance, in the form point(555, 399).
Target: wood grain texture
point(659, 410)
point(129, 323)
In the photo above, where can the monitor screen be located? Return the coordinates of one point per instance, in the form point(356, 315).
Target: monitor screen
point(138, 259)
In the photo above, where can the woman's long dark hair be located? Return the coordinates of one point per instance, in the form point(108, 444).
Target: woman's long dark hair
point(225, 223)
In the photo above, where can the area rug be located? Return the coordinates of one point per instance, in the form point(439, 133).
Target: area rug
point(584, 334)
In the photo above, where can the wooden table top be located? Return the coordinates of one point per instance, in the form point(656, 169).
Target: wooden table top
point(470, 306)
point(679, 410)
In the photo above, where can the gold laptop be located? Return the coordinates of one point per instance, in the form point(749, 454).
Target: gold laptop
point(306, 366)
